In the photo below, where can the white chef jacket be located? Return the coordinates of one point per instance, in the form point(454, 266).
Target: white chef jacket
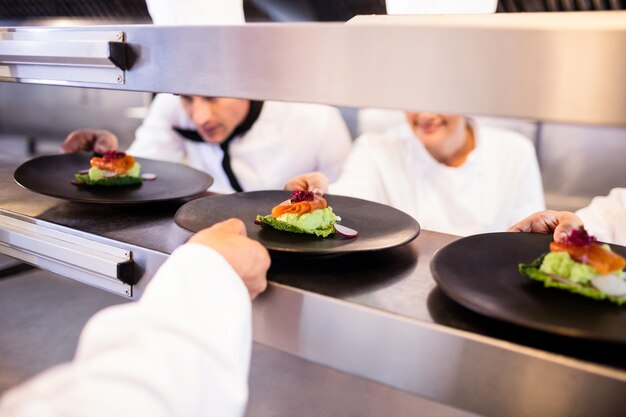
point(441, 6)
point(605, 217)
point(498, 184)
point(196, 12)
point(182, 350)
point(287, 139)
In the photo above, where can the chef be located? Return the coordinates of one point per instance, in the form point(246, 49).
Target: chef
point(244, 145)
point(451, 174)
point(182, 350)
point(605, 218)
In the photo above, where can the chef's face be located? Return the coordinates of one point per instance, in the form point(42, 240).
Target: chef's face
point(434, 129)
point(215, 117)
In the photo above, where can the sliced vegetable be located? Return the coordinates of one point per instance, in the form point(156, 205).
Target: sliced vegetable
point(345, 231)
point(610, 285)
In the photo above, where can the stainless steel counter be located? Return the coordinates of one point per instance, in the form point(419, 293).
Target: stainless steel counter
point(375, 316)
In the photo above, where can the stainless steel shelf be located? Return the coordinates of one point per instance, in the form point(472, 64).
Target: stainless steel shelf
point(565, 67)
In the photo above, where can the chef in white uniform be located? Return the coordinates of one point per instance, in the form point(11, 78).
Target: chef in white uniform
point(451, 174)
point(182, 350)
point(605, 218)
point(244, 145)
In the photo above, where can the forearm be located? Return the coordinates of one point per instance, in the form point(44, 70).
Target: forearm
point(183, 349)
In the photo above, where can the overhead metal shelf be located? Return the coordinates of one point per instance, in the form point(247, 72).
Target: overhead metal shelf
point(564, 67)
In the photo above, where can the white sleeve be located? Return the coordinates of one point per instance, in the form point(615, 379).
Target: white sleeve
point(605, 215)
point(360, 177)
point(155, 138)
point(182, 350)
point(527, 190)
point(336, 143)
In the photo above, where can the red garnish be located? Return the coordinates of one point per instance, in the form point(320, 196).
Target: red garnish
point(583, 248)
point(298, 196)
point(113, 155)
point(579, 237)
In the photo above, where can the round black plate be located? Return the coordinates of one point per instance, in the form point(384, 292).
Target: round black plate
point(379, 226)
point(52, 175)
point(481, 273)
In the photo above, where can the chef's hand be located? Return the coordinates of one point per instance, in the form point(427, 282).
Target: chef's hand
point(88, 140)
point(314, 181)
point(548, 221)
point(247, 257)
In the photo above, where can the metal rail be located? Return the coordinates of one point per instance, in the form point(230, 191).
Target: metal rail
point(60, 57)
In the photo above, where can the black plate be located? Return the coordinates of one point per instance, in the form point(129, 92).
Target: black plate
point(379, 226)
point(480, 272)
point(52, 175)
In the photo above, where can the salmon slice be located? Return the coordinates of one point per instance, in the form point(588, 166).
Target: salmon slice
point(119, 165)
point(594, 255)
point(300, 207)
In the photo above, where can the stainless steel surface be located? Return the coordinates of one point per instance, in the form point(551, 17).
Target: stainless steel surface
point(378, 317)
point(150, 237)
point(42, 315)
point(285, 385)
point(553, 66)
point(468, 371)
point(74, 56)
point(459, 369)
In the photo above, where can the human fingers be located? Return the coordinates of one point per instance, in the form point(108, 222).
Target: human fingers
point(249, 258)
point(78, 140)
point(540, 222)
point(212, 234)
point(254, 270)
point(317, 182)
point(297, 183)
point(232, 225)
point(560, 223)
point(314, 181)
point(105, 141)
point(565, 223)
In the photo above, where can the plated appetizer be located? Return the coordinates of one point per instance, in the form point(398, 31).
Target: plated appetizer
point(303, 212)
point(582, 266)
point(114, 168)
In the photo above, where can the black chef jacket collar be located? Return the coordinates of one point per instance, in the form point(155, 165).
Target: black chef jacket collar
point(243, 127)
